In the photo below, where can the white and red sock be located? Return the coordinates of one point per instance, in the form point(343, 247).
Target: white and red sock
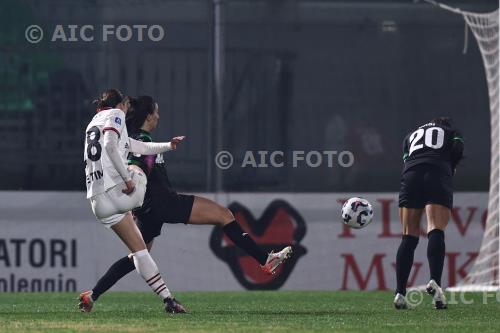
point(146, 267)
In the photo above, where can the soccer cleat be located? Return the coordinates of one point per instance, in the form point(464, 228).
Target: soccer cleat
point(173, 306)
point(437, 294)
point(400, 302)
point(276, 259)
point(86, 301)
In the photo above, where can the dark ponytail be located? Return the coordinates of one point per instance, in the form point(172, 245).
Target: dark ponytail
point(140, 108)
point(443, 121)
point(109, 99)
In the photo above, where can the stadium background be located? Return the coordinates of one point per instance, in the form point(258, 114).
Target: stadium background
point(299, 75)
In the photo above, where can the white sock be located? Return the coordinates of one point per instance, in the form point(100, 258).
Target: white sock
point(147, 268)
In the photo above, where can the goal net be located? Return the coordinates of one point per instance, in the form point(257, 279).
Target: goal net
point(484, 274)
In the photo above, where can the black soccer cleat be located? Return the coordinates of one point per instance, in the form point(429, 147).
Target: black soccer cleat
point(173, 306)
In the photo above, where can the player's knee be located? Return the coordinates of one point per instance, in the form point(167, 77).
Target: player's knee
point(226, 216)
point(436, 224)
point(413, 230)
point(414, 234)
point(431, 228)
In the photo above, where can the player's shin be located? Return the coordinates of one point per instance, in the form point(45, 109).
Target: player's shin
point(436, 249)
point(147, 268)
point(243, 240)
point(118, 270)
point(404, 261)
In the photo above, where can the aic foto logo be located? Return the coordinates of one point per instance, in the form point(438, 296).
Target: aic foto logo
point(280, 225)
point(99, 33)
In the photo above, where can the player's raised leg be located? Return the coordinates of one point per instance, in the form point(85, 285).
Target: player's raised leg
point(410, 220)
point(206, 211)
point(201, 211)
point(437, 220)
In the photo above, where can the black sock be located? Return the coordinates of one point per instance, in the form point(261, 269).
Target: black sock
point(435, 254)
point(118, 270)
point(244, 241)
point(404, 261)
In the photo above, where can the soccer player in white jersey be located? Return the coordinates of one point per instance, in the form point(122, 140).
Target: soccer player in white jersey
point(163, 204)
point(114, 190)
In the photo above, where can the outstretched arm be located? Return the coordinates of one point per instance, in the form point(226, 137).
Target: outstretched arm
point(153, 148)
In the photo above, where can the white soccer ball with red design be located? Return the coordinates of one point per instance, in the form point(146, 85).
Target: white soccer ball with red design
point(357, 213)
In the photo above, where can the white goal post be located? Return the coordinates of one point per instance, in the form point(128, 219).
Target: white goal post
point(484, 274)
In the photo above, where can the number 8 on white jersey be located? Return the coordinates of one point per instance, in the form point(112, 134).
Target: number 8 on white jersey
point(100, 174)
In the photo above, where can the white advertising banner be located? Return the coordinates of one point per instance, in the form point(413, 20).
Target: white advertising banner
point(50, 241)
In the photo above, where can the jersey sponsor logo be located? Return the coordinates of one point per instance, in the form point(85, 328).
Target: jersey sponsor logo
point(93, 176)
point(280, 225)
point(118, 120)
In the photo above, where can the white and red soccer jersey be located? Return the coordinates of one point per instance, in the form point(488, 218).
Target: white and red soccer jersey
point(100, 174)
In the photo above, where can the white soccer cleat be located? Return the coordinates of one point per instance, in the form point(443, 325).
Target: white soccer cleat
point(276, 259)
point(400, 302)
point(437, 294)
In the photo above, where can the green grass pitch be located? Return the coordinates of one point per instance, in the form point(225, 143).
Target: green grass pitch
point(282, 311)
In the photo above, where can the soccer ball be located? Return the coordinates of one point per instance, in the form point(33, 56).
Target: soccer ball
point(357, 213)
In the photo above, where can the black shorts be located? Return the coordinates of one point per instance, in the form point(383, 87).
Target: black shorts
point(167, 208)
point(425, 184)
